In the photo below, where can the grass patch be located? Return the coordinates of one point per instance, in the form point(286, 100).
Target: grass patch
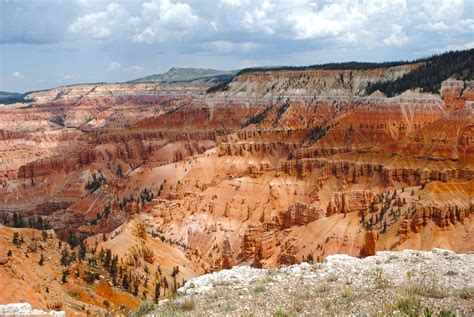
point(379, 280)
point(332, 278)
point(260, 289)
point(431, 291)
point(280, 313)
point(174, 306)
point(446, 313)
point(466, 294)
point(145, 308)
point(187, 305)
point(347, 296)
point(322, 289)
point(221, 283)
point(229, 309)
point(73, 293)
point(409, 306)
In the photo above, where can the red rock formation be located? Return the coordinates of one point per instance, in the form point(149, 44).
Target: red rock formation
point(352, 201)
point(300, 214)
point(256, 241)
point(288, 253)
point(251, 241)
point(267, 244)
point(454, 95)
point(370, 240)
point(227, 261)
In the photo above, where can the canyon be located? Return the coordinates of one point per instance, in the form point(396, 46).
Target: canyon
point(176, 180)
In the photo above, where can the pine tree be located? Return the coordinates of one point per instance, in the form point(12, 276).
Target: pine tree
point(16, 238)
point(64, 276)
point(82, 250)
point(157, 292)
point(44, 235)
point(125, 283)
point(119, 171)
point(108, 257)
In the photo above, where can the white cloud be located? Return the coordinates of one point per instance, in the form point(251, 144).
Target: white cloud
point(260, 20)
point(341, 22)
point(100, 24)
point(227, 47)
point(232, 3)
point(453, 47)
point(17, 75)
point(133, 69)
point(68, 77)
point(369, 23)
point(114, 66)
point(436, 26)
point(397, 38)
point(161, 19)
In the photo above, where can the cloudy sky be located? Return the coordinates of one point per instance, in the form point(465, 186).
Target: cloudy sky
point(47, 43)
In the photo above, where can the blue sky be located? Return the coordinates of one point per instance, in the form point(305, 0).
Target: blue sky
point(48, 43)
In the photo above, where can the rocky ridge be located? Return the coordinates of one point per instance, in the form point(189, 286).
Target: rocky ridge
point(24, 309)
point(389, 283)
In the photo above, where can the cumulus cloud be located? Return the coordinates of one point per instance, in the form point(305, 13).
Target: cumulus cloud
point(366, 22)
point(228, 47)
point(333, 20)
point(161, 19)
point(397, 38)
point(133, 69)
point(232, 3)
point(17, 75)
point(114, 66)
point(69, 77)
point(100, 24)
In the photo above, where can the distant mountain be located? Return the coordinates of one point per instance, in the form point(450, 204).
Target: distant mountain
point(11, 97)
point(177, 74)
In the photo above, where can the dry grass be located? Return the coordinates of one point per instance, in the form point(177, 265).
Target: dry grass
point(408, 306)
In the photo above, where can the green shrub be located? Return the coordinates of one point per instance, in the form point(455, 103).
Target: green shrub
point(187, 305)
point(144, 308)
point(280, 313)
point(446, 313)
point(409, 306)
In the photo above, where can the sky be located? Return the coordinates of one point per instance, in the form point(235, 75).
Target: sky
point(49, 43)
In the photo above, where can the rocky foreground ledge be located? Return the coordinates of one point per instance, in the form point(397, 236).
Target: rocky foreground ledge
point(406, 283)
point(25, 309)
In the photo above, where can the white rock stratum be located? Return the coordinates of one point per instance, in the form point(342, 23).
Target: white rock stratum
point(389, 283)
point(25, 309)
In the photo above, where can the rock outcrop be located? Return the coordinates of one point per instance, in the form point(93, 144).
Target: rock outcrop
point(300, 214)
point(338, 278)
point(25, 309)
point(352, 201)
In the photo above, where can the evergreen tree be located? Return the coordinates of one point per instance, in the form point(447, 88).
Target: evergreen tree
point(16, 238)
point(125, 283)
point(157, 292)
point(64, 276)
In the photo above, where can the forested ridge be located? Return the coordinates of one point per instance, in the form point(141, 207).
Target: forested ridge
point(428, 77)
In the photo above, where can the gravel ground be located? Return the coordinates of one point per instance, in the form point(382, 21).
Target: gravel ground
point(387, 284)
